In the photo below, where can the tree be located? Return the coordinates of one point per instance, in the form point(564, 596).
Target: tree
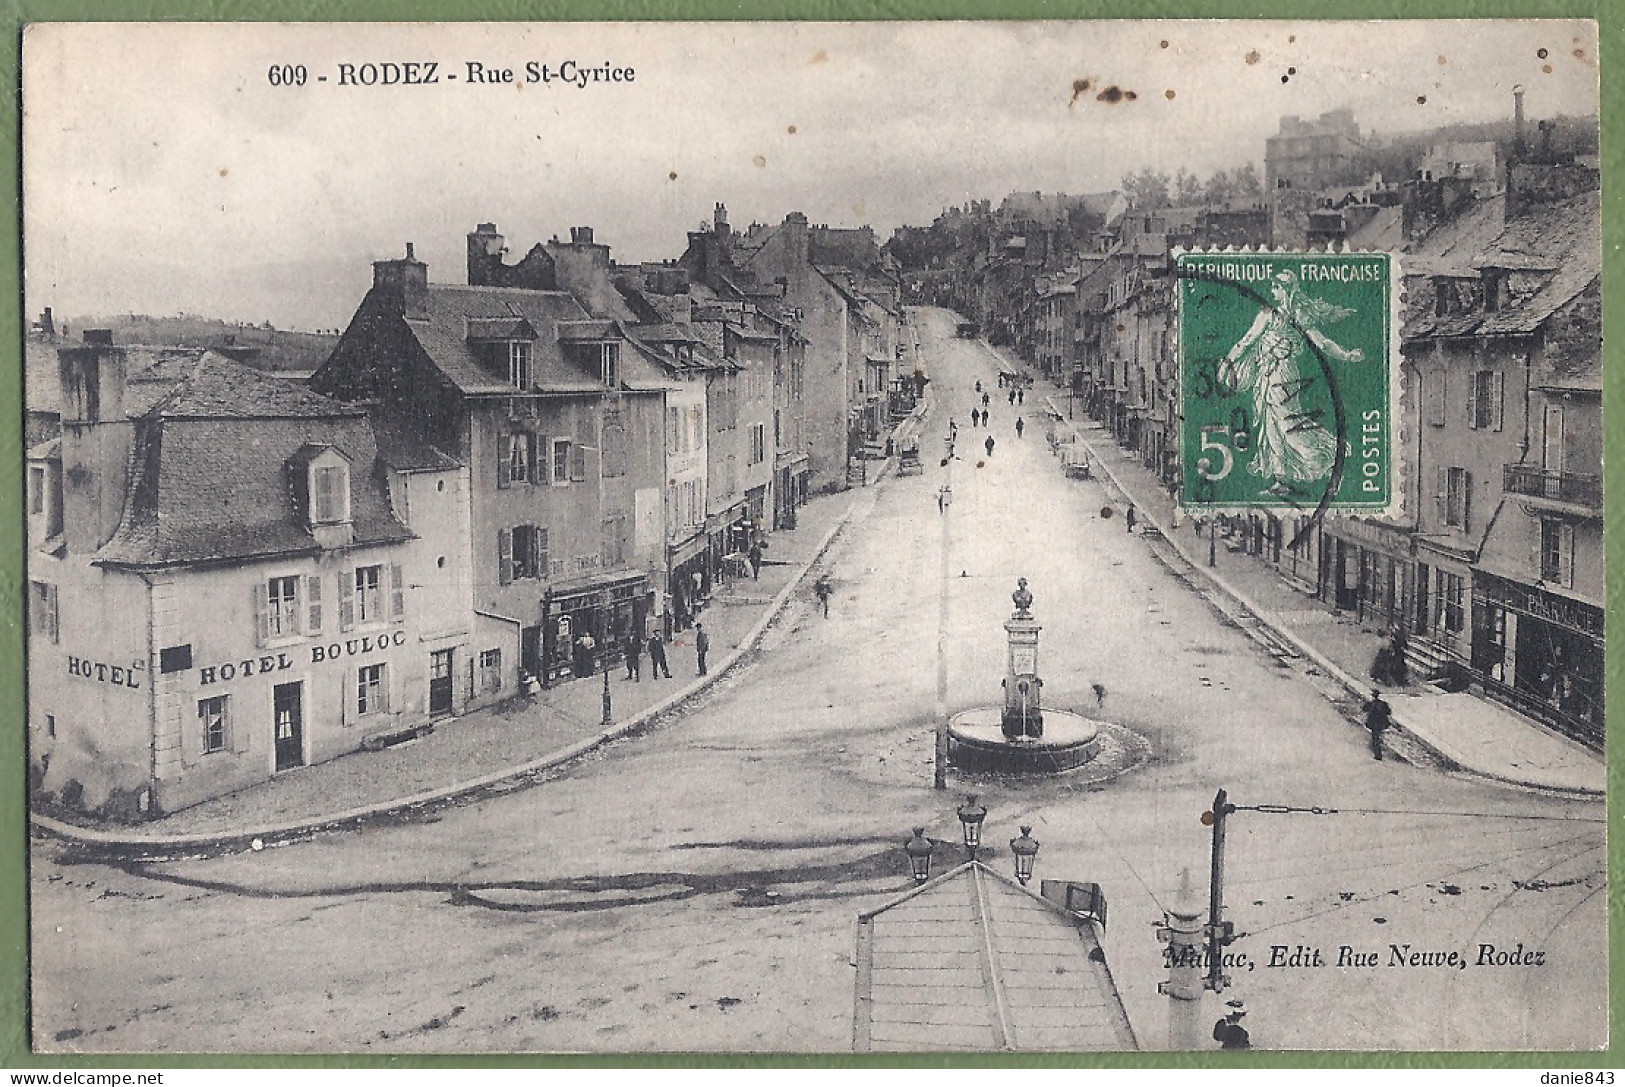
point(1246, 181)
point(1220, 187)
point(1146, 189)
point(1187, 189)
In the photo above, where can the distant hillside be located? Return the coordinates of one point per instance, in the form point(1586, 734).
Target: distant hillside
point(256, 345)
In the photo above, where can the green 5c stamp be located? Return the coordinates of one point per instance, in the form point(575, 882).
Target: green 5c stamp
point(1287, 387)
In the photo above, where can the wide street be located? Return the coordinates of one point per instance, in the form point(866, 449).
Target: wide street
point(623, 904)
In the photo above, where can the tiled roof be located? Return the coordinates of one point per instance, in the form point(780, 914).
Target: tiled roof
point(442, 333)
point(405, 449)
point(210, 473)
point(1565, 236)
point(973, 961)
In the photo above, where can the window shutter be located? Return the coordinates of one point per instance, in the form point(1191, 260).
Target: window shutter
point(504, 555)
point(1466, 500)
point(1500, 398)
point(397, 594)
point(1441, 495)
point(346, 599)
point(191, 734)
point(384, 678)
point(1567, 544)
point(578, 462)
point(262, 616)
point(538, 471)
point(53, 617)
point(313, 602)
point(237, 731)
point(539, 550)
point(1537, 540)
point(1472, 398)
point(502, 456)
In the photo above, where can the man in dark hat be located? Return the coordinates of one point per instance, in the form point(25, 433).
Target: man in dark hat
point(1378, 719)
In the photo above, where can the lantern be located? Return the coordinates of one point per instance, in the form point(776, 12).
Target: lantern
point(1026, 850)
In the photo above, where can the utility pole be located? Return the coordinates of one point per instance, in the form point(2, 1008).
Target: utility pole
point(1183, 934)
point(1218, 930)
point(945, 501)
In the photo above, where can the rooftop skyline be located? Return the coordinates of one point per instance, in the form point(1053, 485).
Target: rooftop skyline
point(164, 173)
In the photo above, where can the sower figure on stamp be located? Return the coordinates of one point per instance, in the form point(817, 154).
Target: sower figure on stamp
point(1271, 361)
point(1378, 718)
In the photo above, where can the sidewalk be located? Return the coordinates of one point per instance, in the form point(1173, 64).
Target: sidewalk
point(522, 736)
point(1474, 733)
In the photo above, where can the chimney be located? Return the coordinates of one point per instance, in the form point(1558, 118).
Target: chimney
point(719, 217)
point(1518, 144)
point(46, 324)
point(404, 283)
point(97, 439)
point(581, 235)
point(484, 255)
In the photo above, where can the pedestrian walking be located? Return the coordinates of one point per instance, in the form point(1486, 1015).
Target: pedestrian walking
point(1012, 398)
point(978, 386)
point(755, 555)
point(634, 657)
point(702, 646)
point(988, 445)
point(1378, 718)
point(822, 587)
point(1399, 669)
point(1021, 396)
point(657, 657)
point(585, 665)
point(985, 400)
point(1021, 425)
point(1128, 517)
point(1100, 694)
point(975, 417)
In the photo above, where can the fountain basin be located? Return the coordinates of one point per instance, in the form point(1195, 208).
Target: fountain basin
point(977, 742)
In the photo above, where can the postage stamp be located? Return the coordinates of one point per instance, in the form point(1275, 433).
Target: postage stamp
point(1287, 381)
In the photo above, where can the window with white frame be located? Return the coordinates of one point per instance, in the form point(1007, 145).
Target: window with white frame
point(521, 450)
point(561, 461)
point(758, 444)
point(211, 716)
point(282, 607)
point(519, 364)
point(609, 364)
point(1557, 551)
point(1452, 601)
point(490, 670)
point(369, 594)
point(371, 690)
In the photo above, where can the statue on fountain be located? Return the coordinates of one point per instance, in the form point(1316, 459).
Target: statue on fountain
point(1022, 718)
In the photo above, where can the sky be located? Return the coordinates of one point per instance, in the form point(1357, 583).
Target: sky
point(164, 172)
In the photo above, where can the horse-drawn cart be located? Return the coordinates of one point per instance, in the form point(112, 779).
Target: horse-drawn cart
point(908, 460)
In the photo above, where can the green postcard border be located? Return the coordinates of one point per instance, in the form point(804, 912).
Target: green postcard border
point(14, 1049)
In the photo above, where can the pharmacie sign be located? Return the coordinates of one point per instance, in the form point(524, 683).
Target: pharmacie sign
point(281, 662)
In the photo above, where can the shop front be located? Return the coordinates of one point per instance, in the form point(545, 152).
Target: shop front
point(585, 622)
point(689, 577)
point(1541, 653)
point(790, 490)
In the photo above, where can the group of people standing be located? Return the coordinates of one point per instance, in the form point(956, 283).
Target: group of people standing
point(632, 647)
point(979, 418)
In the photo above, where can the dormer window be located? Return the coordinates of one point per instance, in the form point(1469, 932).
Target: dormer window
point(609, 364)
point(330, 494)
point(519, 364)
point(320, 477)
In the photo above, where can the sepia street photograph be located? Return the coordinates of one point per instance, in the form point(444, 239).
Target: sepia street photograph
point(814, 538)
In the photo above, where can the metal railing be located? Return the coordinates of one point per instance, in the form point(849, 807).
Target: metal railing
point(1527, 479)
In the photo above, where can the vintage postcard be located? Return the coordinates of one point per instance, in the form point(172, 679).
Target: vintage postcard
point(814, 537)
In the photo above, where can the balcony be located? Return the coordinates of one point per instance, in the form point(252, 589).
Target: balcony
point(1559, 492)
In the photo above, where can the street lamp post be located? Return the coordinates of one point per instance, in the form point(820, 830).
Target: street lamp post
point(918, 849)
point(971, 814)
point(945, 501)
point(609, 712)
point(1026, 850)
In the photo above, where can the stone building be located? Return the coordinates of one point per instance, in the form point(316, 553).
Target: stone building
point(561, 424)
point(230, 577)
